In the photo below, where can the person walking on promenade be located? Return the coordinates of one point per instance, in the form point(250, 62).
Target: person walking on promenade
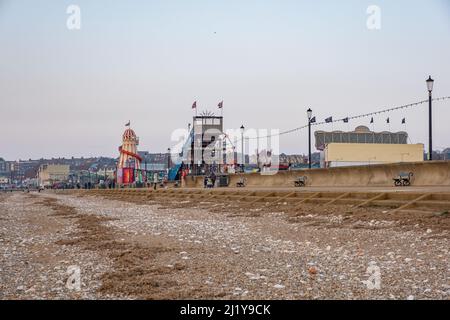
point(213, 179)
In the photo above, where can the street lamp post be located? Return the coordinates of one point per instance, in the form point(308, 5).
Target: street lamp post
point(309, 113)
point(430, 83)
point(145, 169)
point(242, 147)
point(168, 159)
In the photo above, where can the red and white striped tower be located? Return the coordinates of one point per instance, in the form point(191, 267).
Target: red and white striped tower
point(129, 157)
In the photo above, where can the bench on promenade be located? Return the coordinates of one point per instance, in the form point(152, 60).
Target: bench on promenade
point(300, 181)
point(403, 179)
point(241, 183)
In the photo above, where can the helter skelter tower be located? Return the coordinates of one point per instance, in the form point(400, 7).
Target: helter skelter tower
point(129, 160)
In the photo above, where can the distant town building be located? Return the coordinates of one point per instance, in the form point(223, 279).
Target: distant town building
point(4, 173)
point(48, 174)
point(445, 154)
point(293, 159)
point(25, 169)
point(155, 162)
point(2, 166)
point(440, 155)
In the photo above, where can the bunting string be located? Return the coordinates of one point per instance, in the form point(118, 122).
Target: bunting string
point(347, 119)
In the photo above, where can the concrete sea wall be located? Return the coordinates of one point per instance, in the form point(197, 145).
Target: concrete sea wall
point(426, 173)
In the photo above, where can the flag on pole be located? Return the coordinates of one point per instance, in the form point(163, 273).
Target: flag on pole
point(194, 105)
point(329, 119)
point(220, 105)
point(345, 120)
point(404, 121)
point(127, 124)
point(313, 120)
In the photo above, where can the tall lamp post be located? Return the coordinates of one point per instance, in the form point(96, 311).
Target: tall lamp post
point(309, 113)
point(191, 150)
point(242, 147)
point(430, 83)
point(168, 159)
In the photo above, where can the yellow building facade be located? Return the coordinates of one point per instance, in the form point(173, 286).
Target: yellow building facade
point(347, 154)
point(51, 173)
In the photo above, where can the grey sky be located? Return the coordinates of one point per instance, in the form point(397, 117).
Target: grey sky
point(69, 93)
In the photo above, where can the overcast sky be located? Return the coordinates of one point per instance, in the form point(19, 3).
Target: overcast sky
point(69, 92)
